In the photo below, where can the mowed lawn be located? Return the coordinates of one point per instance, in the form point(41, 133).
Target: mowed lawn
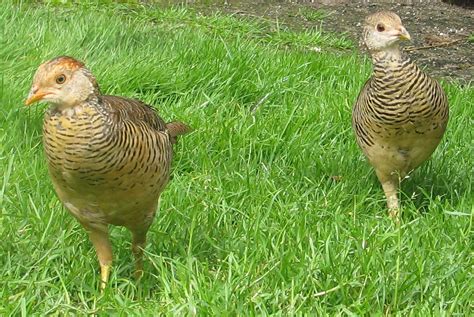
point(272, 208)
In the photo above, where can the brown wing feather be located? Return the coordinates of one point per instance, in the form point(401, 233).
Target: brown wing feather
point(141, 113)
point(135, 111)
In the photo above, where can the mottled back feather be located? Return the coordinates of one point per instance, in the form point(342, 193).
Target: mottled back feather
point(135, 111)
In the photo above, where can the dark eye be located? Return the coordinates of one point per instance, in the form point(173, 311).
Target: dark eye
point(61, 79)
point(380, 27)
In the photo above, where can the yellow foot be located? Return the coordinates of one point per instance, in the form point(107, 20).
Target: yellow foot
point(104, 276)
point(394, 213)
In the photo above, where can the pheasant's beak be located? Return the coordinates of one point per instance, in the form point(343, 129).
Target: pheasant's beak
point(404, 35)
point(34, 96)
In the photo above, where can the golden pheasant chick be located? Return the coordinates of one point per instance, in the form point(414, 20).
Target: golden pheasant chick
point(401, 113)
point(108, 157)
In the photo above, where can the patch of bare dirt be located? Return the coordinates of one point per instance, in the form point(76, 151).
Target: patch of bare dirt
point(440, 31)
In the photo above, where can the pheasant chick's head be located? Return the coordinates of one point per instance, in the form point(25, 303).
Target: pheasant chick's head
point(64, 82)
point(383, 31)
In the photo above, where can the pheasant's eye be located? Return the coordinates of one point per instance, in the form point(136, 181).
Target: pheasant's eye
point(380, 27)
point(61, 79)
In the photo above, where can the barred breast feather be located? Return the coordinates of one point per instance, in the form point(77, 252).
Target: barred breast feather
point(117, 147)
point(402, 111)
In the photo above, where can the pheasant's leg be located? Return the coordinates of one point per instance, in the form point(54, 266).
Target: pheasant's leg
point(390, 185)
point(138, 243)
point(390, 189)
point(100, 239)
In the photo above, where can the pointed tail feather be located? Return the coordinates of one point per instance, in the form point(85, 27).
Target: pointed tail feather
point(177, 128)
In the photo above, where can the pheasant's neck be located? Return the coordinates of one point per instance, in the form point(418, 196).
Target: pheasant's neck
point(69, 109)
point(388, 55)
point(390, 61)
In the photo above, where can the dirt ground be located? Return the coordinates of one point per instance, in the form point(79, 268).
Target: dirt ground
point(439, 30)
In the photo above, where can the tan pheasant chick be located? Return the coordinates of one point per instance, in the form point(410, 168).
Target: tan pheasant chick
point(108, 157)
point(401, 114)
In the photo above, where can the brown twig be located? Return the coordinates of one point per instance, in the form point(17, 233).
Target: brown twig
point(410, 49)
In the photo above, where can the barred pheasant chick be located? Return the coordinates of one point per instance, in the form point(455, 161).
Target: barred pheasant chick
point(108, 157)
point(401, 113)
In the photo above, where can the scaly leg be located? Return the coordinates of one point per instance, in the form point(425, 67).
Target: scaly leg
point(99, 237)
point(138, 244)
point(390, 184)
point(139, 231)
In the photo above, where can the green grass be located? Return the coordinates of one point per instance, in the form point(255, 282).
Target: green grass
point(271, 209)
point(313, 15)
